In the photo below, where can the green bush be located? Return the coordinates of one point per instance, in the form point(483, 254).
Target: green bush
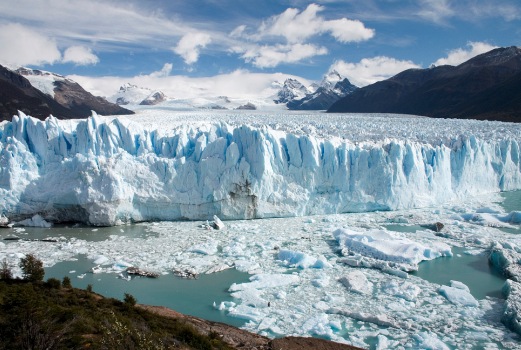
point(32, 268)
point(54, 283)
point(66, 283)
point(5, 271)
point(129, 300)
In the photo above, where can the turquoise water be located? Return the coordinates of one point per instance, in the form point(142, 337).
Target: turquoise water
point(511, 201)
point(88, 233)
point(192, 297)
point(473, 270)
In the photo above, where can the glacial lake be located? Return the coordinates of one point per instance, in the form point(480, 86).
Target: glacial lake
point(196, 297)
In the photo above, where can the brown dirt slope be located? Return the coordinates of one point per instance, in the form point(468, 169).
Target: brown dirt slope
point(244, 340)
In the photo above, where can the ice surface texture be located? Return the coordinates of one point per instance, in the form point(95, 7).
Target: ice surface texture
point(104, 172)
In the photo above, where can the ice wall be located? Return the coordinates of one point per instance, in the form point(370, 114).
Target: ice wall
point(104, 173)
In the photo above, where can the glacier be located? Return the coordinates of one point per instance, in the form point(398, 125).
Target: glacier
point(107, 171)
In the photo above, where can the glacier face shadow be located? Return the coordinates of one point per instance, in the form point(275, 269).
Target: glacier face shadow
point(105, 172)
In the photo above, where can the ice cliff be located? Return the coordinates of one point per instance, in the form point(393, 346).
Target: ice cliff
point(104, 172)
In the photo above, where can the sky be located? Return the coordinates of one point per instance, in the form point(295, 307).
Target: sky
point(244, 45)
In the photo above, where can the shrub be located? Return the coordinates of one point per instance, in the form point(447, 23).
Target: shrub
point(5, 271)
point(32, 268)
point(129, 300)
point(66, 283)
point(89, 288)
point(54, 283)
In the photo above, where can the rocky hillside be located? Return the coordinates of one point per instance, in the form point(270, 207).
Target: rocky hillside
point(487, 86)
point(39, 94)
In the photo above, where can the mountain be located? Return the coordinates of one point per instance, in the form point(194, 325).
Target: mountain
point(291, 89)
point(331, 89)
point(40, 94)
point(487, 86)
point(134, 95)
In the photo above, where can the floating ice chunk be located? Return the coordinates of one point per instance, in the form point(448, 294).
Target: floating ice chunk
point(493, 219)
point(401, 289)
point(513, 218)
point(506, 259)
point(459, 285)
point(247, 313)
point(382, 343)
point(121, 265)
point(387, 246)
point(217, 268)
point(458, 296)
point(322, 263)
point(35, 221)
point(301, 260)
point(224, 305)
point(512, 314)
point(378, 319)
point(246, 265)
point(357, 282)
point(262, 281)
point(321, 281)
point(100, 260)
point(318, 325)
point(430, 341)
point(208, 248)
point(217, 223)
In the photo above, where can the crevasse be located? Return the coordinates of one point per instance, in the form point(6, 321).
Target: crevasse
point(108, 172)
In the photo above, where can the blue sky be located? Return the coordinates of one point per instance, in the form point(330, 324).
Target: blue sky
point(365, 40)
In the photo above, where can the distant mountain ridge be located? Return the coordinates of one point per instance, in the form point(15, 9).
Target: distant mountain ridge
point(296, 96)
point(487, 86)
point(40, 94)
point(134, 95)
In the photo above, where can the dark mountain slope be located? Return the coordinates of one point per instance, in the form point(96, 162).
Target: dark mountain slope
point(487, 86)
point(70, 99)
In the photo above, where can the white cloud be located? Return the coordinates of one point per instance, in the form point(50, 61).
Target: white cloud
point(190, 45)
point(346, 30)
point(460, 55)
point(238, 32)
point(164, 72)
point(271, 56)
point(371, 70)
point(237, 84)
point(22, 46)
point(80, 55)
point(296, 27)
point(436, 11)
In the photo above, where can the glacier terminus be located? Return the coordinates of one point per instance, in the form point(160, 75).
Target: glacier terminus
point(107, 171)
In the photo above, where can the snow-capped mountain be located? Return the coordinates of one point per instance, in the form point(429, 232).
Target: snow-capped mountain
point(332, 88)
point(292, 89)
point(130, 94)
point(42, 80)
point(42, 93)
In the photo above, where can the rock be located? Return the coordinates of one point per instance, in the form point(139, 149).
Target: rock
point(185, 274)
point(248, 106)
point(140, 272)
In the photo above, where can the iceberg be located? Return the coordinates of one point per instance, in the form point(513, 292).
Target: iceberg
point(387, 247)
point(107, 171)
